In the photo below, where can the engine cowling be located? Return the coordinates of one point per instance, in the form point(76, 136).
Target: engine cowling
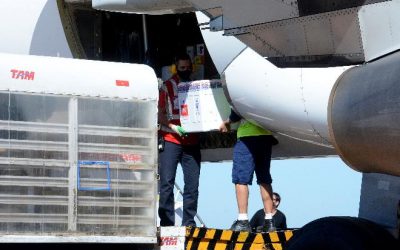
point(364, 116)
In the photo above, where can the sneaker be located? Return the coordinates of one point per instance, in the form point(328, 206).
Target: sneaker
point(258, 229)
point(241, 225)
point(268, 226)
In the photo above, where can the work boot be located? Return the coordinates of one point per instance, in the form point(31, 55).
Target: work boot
point(241, 225)
point(268, 226)
point(259, 229)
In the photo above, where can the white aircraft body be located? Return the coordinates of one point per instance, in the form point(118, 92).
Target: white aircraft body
point(289, 66)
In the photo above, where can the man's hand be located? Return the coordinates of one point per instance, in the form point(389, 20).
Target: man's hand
point(225, 126)
point(179, 130)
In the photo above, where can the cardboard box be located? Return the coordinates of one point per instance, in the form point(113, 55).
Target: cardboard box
point(203, 105)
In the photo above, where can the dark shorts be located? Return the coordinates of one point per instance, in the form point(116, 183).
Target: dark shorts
point(252, 154)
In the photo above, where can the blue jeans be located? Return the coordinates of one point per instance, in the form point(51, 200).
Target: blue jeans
point(189, 157)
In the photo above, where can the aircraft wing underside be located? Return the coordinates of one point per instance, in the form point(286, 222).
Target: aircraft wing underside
point(312, 33)
point(302, 33)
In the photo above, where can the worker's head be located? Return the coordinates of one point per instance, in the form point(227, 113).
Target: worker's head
point(276, 199)
point(183, 65)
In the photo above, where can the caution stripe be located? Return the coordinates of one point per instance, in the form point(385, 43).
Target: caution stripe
point(217, 239)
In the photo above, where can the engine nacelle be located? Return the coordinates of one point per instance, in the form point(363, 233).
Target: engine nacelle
point(156, 7)
point(364, 116)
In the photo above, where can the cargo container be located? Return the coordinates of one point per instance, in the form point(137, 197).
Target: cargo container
point(78, 159)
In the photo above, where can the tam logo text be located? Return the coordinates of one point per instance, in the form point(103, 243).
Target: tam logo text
point(22, 74)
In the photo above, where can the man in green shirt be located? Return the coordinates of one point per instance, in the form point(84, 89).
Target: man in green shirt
point(251, 153)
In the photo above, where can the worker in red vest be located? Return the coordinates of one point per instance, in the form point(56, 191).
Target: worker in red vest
point(177, 147)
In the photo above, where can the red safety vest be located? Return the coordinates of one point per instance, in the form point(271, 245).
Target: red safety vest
point(169, 101)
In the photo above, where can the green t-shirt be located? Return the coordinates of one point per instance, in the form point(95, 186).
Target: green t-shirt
point(249, 129)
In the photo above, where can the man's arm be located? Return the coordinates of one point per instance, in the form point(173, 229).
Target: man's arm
point(233, 117)
point(163, 120)
point(162, 111)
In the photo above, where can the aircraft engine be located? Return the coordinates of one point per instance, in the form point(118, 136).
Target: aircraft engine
point(364, 116)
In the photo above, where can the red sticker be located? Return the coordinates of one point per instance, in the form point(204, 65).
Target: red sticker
point(184, 110)
point(132, 158)
point(122, 83)
point(169, 241)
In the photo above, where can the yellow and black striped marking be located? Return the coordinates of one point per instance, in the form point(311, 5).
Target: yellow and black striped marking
point(210, 239)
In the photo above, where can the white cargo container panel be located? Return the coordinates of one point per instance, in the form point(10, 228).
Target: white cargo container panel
point(78, 159)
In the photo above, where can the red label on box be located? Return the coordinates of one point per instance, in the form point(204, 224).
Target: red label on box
point(184, 110)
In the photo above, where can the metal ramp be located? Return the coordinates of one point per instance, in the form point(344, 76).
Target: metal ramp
point(198, 238)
